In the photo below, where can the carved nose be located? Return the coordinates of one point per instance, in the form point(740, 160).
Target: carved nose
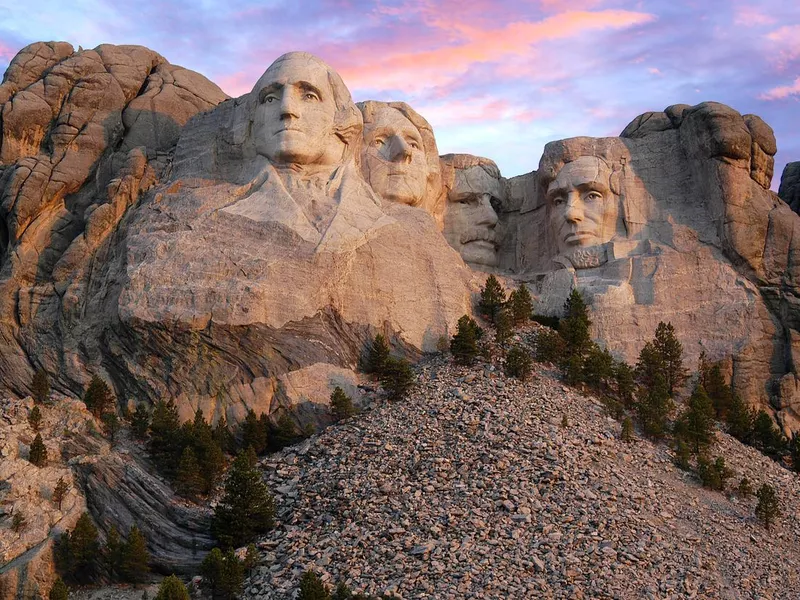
point(289, 105)
point(574, 209)
point(487, 217)
point(399, 150)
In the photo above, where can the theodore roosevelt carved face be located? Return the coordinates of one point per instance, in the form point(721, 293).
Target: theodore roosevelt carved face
point(583, 209)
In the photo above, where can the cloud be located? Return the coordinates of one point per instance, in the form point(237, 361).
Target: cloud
point(786, 42)
point(783, 91)
point(750, 16)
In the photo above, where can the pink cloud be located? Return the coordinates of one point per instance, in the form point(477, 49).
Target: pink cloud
point(7, 52)
point(473, 45)
point(749, 16)
point(479, 110)
point(783, 91)
point(787, 42)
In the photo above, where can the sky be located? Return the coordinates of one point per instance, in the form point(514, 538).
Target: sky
point(495, 78)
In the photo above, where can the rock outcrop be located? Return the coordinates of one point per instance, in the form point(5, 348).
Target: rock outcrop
point(789, 190)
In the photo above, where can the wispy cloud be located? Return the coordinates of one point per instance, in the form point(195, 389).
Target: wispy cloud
point(782, 91)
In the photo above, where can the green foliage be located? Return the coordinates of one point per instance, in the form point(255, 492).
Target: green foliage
point(60, 491)
point(377, 355)
point(113, 554)
point(35, 418)
point(464, 344)
point(397, 378)
point(519, 363)
point(745, 488)
point(98, 397)
point(222, 435)
point(112, 425)
point(696, 425)
point(550, 346)
point(574, 327)
point(59, 591)
point(521, 304)
point(254, 434)
point(135, 557)
point(653, 405)
point(140, 421)
point(189, 479)
point(341, 404)
point(598, 369)
point(766, 436)
point(223, 574)
point(671, 352)
point(312, 588)
point(683, 455)
point(718, 390)
point(77, 552)
point(740, 419)
point(768, 508)
point(342, 592)
point(250, 558)
point(40, 386)
point(551, 322)
point(18, 522)
point(713, 475)
point(794, 452)
point(38, 451)
point(172, 588)
point(246, 509)
point(503, 325)
point(627, 430)
point(443, 344)
point(166, 441)
point(493, 296)
point(625, 379)
point(285, 432)
point(209, 455)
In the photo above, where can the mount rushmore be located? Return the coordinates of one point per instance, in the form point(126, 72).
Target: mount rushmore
point(236, 253)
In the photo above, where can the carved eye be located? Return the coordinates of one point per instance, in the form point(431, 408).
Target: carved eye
point(594, 196)
point(311, 96)
point(270, 98)
point(414, 144)
point(558, 200)
point(378, 142)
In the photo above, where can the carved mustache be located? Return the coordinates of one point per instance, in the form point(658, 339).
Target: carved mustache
point(479, 234)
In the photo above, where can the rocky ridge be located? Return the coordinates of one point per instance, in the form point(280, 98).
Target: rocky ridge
point(472, 488)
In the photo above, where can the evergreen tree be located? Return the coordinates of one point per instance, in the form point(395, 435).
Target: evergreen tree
point(720, 392)
point(113, 555)
point(222, 435)
point(112, 425)
point(246, 508)
point(98, 397)
point(521, 304)
point(166, 441)
point(250, 558)
point(598, 369)
point(342, 592)
point(312, 588)
point(550, 346)
point(503, 324)
point(189, 480)
point(135, 557)
point(696, 425)
point(653, 406)
point(377, 355)
point(794, 452)
point(397, 378)
point(519, 363)
point(207, 451)
point(625, 378)
point(172, 588)
point(285, 432)
point(140, 421)
point(464, 344)
point(35, 419)
point(574, 327)
point(740, 419)
point(493, 296)
point(767, 437)
point(627, 430)
point(40, 386)
point(38, 451)
point(341, 404)
point(744, 489)
point(253, 433)
point(713, 475)
point(671, 352)
point(77, 552)
point(223, 574)
point(683, 455)
point(768, 508)
point(59, 591)
point(60, 491)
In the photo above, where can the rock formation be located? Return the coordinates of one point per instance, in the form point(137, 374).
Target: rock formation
point(789, 190)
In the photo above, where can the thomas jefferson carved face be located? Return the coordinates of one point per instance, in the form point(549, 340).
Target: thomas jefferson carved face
point(470, 217)
point(393, 157)
point(583, 210)
point(294, 121)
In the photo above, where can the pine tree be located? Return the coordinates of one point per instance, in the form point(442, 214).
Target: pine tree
point(172, 588)
point(574, 327)
point(696, 425)
point(550, 346)
point(113, 554)
point(135, 557)
point(223, 574)
point(377, 355)
point(671, 351)
point(77, 552)
point(35, 419)
point(768, 508)
point(397, 378)
point(464, 344)
point(740, 419)
point(341, 404)
point(40, 386)
point(767, 437)
point(521, 304)
point(285, 432)
point(166, 441)
point(493, 296)
point(140, 421)
point(625, 378)
point(38, 452)
point(503, 323)
point(519, 363)
point(59, 591)
point(653, 403)
point(713, 475)
point(253, 433)
point(626, 435)
point(247, 508)
point(598, 369)
point(60, 491)
point(720, 392)
point(98, 397)
point(222, 435)
point(250, 558)
point(744, 489)
point(112, 425)
point(312, 588)
point(342, 592)
point(189, 480)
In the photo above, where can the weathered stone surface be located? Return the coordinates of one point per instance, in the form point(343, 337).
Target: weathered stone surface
point(699, 241)
point(789, 190)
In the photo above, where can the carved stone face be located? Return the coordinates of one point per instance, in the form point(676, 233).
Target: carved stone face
point(583, 210)
point(393, 158)
point(470, 217)
point(294, 115)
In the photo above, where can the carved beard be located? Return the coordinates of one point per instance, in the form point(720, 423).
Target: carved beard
point(588, 258)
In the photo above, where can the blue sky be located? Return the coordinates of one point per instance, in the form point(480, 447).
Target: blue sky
point(495, 78)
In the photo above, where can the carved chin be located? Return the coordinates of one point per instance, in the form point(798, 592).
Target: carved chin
point(587, 258)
